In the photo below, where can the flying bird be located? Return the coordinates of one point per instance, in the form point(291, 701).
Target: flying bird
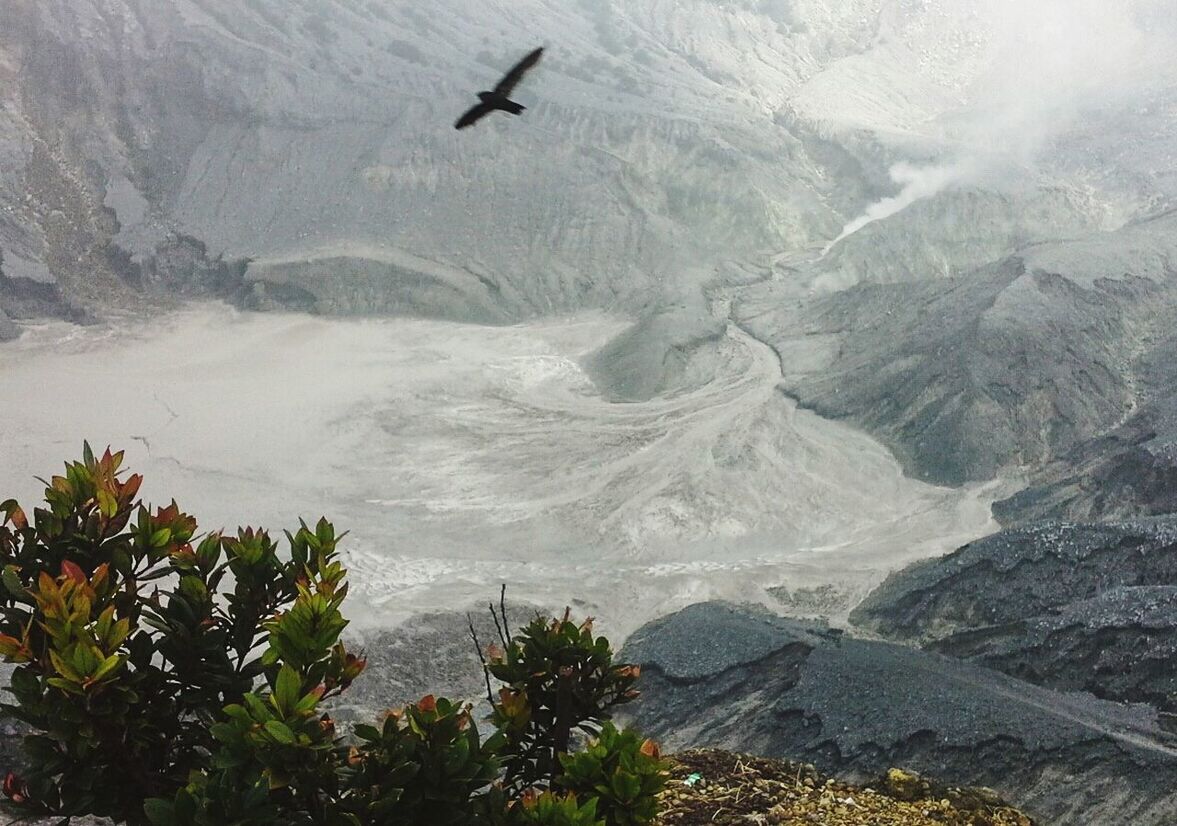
point(499, 98)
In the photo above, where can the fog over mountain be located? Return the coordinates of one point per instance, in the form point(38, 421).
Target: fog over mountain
point(759, 300)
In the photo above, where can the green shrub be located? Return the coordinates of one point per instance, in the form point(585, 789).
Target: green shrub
point(558, 679)
point(180, 680)
point(426, 764)
point(550, 809)
point(126, 655)
point(622, 771)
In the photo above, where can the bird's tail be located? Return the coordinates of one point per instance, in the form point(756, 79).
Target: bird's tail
point(513, 107)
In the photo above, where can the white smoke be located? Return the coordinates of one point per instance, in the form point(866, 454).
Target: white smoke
point(918, 182)
point(1043, 68)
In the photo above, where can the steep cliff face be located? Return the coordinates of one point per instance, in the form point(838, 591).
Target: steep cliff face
point(315, 139)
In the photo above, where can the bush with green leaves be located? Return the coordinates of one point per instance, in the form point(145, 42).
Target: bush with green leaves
point(180, 680)
point(426, 764)
point(624, 772)
point(558, 680)
point(130, 641)
point(552, 809)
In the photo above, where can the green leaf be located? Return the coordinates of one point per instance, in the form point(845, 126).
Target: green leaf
point(64, 685)
point(280, 732)
point(257, 709)
point(108, 506)
point(159, 811)
point(287, 690)
point(625, 786)
point(25, 686)
point(367, 732)
point(108, 665)
point(12, 582)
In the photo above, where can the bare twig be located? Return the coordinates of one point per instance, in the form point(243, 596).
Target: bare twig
point(503, 611)
point(478, 650)
point(503, 636)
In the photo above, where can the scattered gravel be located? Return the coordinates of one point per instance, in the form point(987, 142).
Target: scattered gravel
point(719, 787)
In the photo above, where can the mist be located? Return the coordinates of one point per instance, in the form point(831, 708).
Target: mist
point(1035, 74)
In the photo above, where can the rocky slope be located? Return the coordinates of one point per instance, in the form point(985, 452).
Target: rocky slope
point(1130, 471)
point(1073, 607)
point(1119, 645)
point(1011, 364)
point(1019, 574)
point(747, 681)
point(315, 140)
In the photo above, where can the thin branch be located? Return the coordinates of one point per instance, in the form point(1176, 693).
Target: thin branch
point(503, 611)
point(498, 627)
point(478, 650)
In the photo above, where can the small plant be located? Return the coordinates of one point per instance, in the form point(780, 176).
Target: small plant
point(550, 809)
point(559, 679)
point(622, 771)
point(179, 680)
point(426, 764)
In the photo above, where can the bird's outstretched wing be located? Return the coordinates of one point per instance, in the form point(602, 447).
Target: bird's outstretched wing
point(508, 83)
point(473, 115)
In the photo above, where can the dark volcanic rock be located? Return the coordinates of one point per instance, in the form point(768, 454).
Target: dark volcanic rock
point(24, 298)
point(8, 330)
point(1019, 574)
point(717, 675)
point(1121, 645)
point(1129, 472)
point(1013, 364)
point(182, 265)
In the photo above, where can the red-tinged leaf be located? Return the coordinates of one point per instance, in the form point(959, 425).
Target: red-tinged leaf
point(14, 514)
point(130, 487)
point(427, 703)
point(14, 788)
point(73, 572)
point(10, 646)
point(650, 749)
point(100, 575)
